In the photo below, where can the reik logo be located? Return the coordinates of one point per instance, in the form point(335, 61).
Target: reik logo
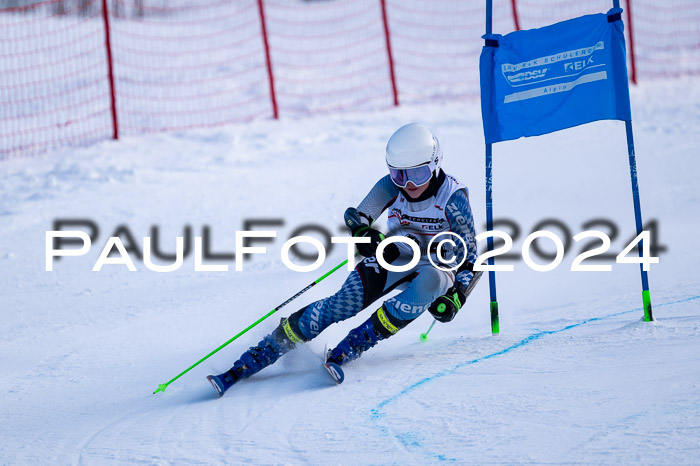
point(577, 65)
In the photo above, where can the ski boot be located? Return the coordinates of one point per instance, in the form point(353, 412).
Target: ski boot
point(266, 352)
point(378, 327)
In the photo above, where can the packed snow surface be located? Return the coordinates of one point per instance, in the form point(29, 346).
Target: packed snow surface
point(575, 375)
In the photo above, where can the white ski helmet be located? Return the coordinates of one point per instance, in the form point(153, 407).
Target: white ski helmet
point(413, 154)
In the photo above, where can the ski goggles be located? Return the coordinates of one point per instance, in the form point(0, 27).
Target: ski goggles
point(417, 175)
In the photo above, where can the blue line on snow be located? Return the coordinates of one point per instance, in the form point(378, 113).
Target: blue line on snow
point(376, 415)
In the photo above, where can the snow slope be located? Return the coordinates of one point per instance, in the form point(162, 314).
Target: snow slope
point(574, 376)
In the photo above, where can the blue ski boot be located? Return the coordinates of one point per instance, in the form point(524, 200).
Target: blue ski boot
point(378, 327)
point(265, 353)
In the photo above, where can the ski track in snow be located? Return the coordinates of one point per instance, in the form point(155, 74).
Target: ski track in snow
point(409, 439)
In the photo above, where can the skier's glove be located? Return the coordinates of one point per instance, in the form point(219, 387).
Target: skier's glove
point(445, 307)
point(375, 237)
point(361, 229)
point(354, 220)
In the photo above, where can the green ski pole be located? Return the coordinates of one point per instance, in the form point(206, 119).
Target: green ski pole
point(424, 336)
point(163, 386)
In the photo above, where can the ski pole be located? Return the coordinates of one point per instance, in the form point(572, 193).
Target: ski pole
point(424, 336)
point(163, 386)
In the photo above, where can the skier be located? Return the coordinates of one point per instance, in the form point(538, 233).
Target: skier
point(422, 201)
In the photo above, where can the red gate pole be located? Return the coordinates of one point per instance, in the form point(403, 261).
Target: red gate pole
point(388, 51)
point(108, 46)
point(270, 76)
point(516, 21)
point(633, 61)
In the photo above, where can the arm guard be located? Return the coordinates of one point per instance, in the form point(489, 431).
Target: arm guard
point(378, 199)
point(459, 214)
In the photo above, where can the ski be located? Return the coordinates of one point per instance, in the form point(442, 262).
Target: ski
point(217, 384)
point(333, 369)
point(222, 382)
